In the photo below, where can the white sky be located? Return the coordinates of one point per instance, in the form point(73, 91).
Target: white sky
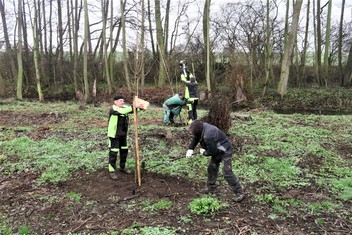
point(197, 7)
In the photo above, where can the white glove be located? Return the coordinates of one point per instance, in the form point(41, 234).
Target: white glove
point(201, 150)
point(189, 153)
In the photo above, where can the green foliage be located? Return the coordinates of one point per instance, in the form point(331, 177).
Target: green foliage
point(157, 231)
point(344, 187)
point(186, 219)
point(325, 206)
point(76, 197)
point(24, 230)
point(206, 206)
point(155, 207)
point(5, 228)
point(53, 157)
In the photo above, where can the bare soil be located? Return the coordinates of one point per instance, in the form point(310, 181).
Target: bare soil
point(106, 205)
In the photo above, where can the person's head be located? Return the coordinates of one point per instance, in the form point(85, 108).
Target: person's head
point(119, 100)
point(181, 95)
point(183, 64)
point(196, 128)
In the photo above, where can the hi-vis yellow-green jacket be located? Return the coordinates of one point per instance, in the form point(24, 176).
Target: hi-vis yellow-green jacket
point(118, 121)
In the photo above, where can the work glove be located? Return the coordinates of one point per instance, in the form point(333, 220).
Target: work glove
point(201, 150)
point(189, 153)
point(206, 153)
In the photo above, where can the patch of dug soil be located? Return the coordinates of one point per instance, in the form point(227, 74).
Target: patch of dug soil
point(93, 203)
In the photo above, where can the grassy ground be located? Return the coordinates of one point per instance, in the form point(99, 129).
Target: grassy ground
point(296, 171)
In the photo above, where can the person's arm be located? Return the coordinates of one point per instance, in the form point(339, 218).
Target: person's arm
point(193, 143)
point(123, 110)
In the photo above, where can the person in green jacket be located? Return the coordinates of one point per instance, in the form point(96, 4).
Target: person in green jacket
point(172, 107)
point(191, 91)
point(117, 133)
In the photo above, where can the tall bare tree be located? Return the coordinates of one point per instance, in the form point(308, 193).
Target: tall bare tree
point(347, 79)
point(327, 44)
point(206, 36)
point(340, 43)
point(302, 67)
point(35, 32)
point(124, 45)
point(85, 54)
point(61, 42)
point(104, 6)
point(19, 52)
point(9, 53)
point(318, 40)
point(288, 50)
point(161, 44)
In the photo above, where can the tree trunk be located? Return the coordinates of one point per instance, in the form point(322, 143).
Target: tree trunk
point(340, 43)
point(206, 29)
point(318, 45)
point(288, 50)
point(124, 46)
point(35, 32)
point(142, 50)
point(9, 53)
point(302, 70)
point(106, 70)
point(19, 52)
point(151, 31)
point(267, 49)
point(348, 70)
point(161, 44)
point(327, 45)
point(61, 43)
point(112, 53)
point(85, 53)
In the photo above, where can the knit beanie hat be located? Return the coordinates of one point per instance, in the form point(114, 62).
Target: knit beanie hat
point(196, 128)
point(118, 97)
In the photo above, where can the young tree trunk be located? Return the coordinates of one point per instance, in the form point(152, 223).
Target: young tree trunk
point(288, 50)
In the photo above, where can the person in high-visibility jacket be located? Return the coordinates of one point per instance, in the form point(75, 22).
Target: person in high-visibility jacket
point(191, 91)
point(117, 133)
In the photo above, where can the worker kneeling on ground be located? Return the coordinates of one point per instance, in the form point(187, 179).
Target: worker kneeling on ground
point(172, 107)
point(215, 144)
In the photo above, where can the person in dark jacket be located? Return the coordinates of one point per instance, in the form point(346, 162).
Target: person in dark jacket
point(215, 143)
point(117, 133)
point(191, 91)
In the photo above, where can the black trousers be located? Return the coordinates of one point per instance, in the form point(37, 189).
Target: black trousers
point(116, 145)
point(230, 177)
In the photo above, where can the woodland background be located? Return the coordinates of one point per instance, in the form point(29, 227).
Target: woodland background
point(84, 49)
